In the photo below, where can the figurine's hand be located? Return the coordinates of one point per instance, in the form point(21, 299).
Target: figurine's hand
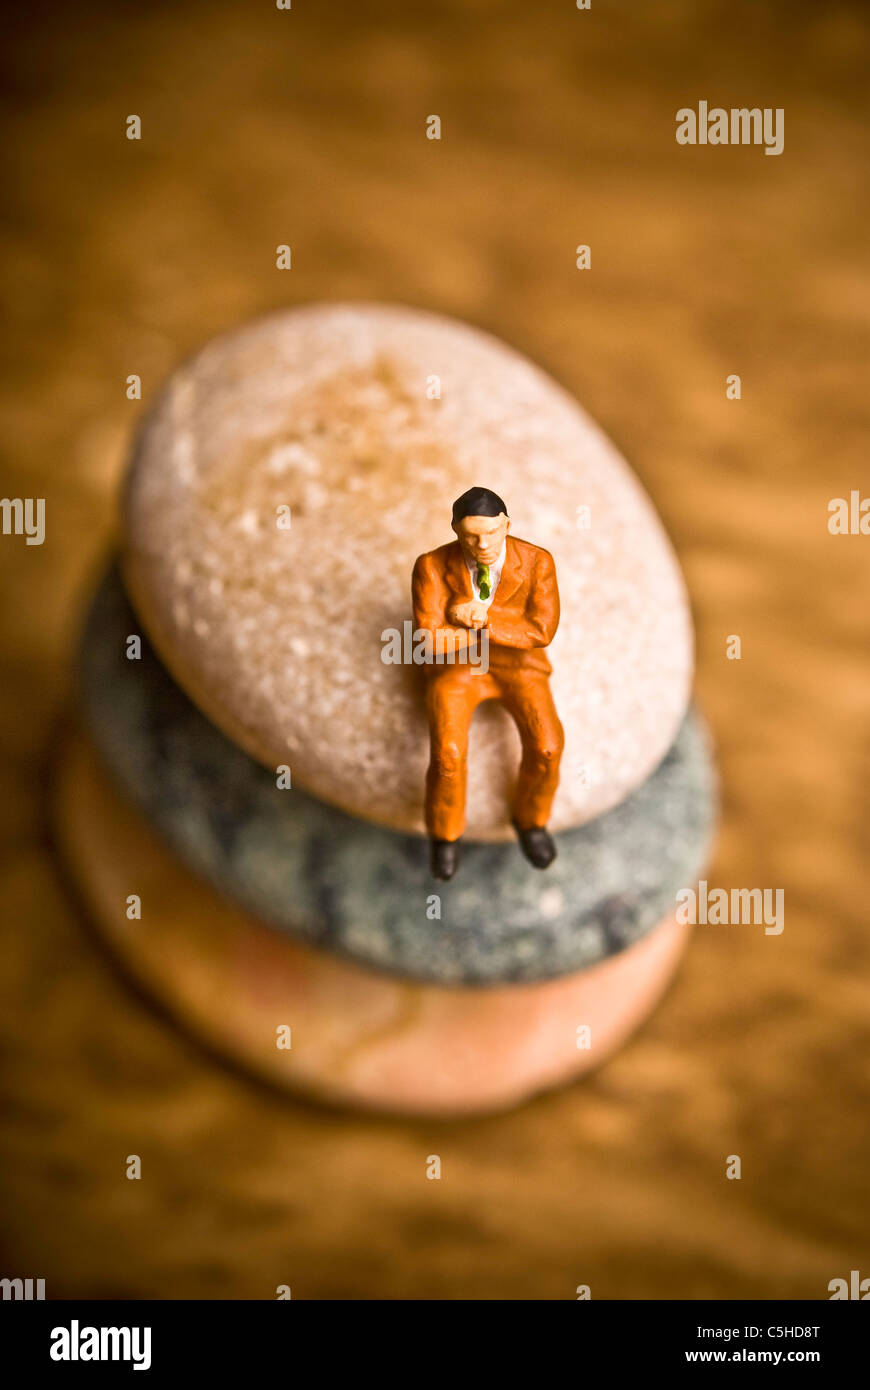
point(471, 614)
point(477, 613)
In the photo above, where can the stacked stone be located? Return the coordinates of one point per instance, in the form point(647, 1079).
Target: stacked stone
point(253, 777)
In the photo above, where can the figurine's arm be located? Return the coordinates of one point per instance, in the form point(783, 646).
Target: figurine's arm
point(430, 595)
point(536, 626)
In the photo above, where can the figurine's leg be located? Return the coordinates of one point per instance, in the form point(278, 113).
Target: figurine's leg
point(451, 699)
point(527, 695)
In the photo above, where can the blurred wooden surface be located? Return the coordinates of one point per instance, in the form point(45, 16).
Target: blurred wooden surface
point(262, 127)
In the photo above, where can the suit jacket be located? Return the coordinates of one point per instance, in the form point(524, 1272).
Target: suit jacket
point(524, 613)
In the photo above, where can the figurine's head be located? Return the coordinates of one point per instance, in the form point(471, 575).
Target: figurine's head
point(481, 522)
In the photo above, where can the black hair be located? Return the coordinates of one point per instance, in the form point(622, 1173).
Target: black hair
point(478, 501)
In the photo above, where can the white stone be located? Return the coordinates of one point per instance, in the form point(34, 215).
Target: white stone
point(284, 646)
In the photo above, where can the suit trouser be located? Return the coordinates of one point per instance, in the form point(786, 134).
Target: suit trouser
point(453, 694)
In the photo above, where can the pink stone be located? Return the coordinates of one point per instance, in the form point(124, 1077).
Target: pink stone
point(358, 1037)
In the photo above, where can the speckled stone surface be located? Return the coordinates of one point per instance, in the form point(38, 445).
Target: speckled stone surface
point(363, 891)
point(276, 633)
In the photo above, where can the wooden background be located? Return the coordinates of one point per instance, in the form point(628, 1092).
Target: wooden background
point(262, 127)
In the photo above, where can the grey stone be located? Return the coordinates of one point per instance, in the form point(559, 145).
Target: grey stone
point(362, 891)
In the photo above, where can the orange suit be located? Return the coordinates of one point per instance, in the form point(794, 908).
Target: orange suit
point(522, 620)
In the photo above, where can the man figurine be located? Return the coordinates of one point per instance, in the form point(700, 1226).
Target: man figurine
point(486, 579)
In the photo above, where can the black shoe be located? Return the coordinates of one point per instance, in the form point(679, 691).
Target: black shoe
point(445, 858)
point(537, 845)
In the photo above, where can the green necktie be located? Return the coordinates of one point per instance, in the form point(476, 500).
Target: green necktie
point(483, 581)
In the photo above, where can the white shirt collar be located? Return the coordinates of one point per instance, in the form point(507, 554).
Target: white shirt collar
point(495, 570)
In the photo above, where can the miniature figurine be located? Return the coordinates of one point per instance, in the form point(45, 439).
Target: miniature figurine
point(486, 588)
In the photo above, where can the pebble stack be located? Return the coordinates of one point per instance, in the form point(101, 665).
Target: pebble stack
point(251, 757)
